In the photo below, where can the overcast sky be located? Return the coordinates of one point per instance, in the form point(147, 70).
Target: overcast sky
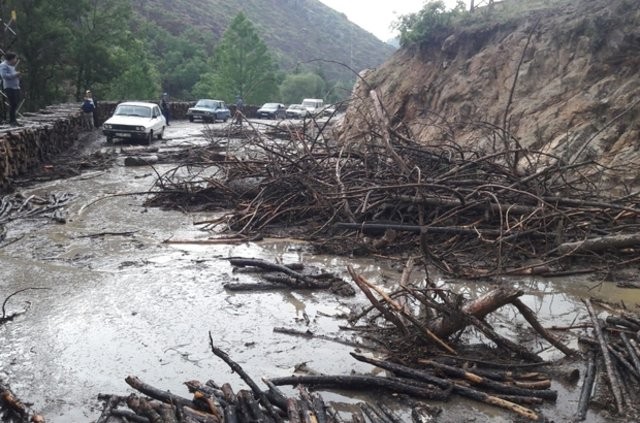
point(376, 16)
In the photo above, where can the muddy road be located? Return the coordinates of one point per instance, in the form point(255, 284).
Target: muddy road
point(114, 299)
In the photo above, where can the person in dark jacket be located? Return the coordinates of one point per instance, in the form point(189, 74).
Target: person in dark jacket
point(239, 110)
point(88, 108)
point(164, 106)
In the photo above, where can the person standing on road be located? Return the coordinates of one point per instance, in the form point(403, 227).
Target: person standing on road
point(239, 110)
point(88, 107)
point(164, 106)
point(11, 84)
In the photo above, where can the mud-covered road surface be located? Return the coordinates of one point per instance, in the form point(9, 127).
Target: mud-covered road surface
point(120, 301)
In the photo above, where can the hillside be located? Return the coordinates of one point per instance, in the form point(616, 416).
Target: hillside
point(296, 31)
point(560, 79)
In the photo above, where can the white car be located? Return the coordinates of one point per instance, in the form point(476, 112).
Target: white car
point(135, 120)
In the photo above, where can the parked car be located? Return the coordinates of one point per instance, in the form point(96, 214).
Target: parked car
point(272, 111)
point(313, 105)
point(297, 111)
point(209, 111)
point(329, 110)
point(135, 120)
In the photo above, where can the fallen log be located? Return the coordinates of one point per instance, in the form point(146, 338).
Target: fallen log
point(239, 287)
point(10, 401)
point(264, 400)
point(423, 331)
point(587, 386)
point(444, 383)
point(392, 384)
point(300, 279)
point(446, 230)
point(602, 343)
point(155, 393)
point(479, 308)
point(603, 243)
point(530, 316)
point(491, 384)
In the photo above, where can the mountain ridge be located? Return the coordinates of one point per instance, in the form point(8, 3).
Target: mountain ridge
point(314, 37)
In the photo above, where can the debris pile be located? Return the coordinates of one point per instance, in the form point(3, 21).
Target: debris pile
point(476, 213)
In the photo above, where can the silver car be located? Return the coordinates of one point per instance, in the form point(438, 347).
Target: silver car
point(297, 111)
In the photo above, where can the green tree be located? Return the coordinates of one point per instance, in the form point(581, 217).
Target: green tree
point(44, 36)
point(139, 79)
point(297, 86)
point(241, 65)
point(98, 32)
point(180, 59)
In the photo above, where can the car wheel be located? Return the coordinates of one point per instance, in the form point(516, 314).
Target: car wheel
point(190, 118)
point(225, 119)
point(149, 138)
point(160, 135)
point(109, 140)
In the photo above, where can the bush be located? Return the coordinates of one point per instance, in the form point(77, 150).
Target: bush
point(429, 24)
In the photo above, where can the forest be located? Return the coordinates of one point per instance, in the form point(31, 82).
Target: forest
point(66, 47)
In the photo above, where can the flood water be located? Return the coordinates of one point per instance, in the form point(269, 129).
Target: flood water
point(114, 300)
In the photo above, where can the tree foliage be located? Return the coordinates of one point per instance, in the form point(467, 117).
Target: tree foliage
point(431, 21)
point(68, 46)
point(44, 37)
point(97, 36)
point(242, 65)
point(297, 86)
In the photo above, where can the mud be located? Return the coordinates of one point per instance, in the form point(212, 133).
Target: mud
point(120, 301)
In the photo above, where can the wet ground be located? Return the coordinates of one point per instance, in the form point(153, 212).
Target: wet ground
point(120, 301)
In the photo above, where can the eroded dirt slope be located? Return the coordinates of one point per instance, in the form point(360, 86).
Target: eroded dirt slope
point(575, 96)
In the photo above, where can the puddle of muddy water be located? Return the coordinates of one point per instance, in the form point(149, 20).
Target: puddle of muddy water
point(121, 302)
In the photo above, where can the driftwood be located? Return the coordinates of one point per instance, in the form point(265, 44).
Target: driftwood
point(292, 276)
point(443, 383)
point(611, 374)
point(11, 407)
point(424, 331)
point(264, 400)
point(604, 243)
point(477, 308)
point(361, 382)
point(529, 315)
point(300, 279)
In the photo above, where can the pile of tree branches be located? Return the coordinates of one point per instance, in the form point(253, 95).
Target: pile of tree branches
point(476, 213)
point(213, 403)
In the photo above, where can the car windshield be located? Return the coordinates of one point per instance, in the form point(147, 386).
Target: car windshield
point(129, 110)
point(208, 104)
point(270, 106)
point(296, 107)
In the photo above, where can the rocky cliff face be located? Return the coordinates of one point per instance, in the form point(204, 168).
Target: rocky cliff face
point(560, 84)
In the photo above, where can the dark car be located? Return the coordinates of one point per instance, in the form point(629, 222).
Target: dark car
point(209, 111)
point(272, 111)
